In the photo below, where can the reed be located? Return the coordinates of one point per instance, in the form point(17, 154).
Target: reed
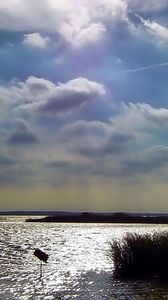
point(140, 256)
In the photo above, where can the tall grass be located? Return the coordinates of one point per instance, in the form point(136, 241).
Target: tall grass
point(140, 256)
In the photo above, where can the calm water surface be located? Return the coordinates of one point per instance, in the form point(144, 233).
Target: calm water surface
point(78, 266)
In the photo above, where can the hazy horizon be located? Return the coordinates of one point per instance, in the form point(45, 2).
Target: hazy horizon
point(83, 105)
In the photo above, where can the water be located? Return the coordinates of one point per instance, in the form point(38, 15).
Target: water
point(78, 265)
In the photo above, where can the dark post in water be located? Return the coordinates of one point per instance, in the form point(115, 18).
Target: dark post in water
point(42, 256)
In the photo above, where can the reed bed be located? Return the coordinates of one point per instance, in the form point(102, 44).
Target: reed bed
point(140, 256)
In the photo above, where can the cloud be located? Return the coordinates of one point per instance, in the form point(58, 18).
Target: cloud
point(82, 128)
point(74, 20)
point(84, 138)
point(94, 148)
point(21, 135)
point(78, 23)
point(88, 24)
point(156, 116)
point(6, 161)
point(42, 96)
point(35, 86)
point(47, 98)
point(129, 129)
point(35, 40)
point(89, 34)
point(71, 95)
point(95, 139)
point(120, 148)
point(150, 161)
point(134, 167)
point(140, 116)
point(160, 32)
point(59, 164)
point(10, 94)
point(117, 144)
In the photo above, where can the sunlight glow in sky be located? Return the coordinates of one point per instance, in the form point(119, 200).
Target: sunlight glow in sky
point(83, 105)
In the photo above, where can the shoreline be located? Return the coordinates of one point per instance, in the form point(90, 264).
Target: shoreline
point(87, 217)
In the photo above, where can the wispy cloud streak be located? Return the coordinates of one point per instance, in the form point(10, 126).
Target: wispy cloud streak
point(146, 68)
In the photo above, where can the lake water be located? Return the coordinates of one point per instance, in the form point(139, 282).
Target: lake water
point(78, 266)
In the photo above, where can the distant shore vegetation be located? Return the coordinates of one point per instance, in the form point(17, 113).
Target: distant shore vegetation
point(140, 256)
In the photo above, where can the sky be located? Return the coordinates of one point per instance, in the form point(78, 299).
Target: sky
point(83, 105)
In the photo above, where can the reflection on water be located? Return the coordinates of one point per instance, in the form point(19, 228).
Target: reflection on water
point(93, 285)
point(78, 267)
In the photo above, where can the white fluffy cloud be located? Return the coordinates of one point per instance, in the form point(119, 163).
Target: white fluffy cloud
point(43, 96)
point(108, 147)
point(89, 34)
point(78, 22)
point(35, 40)
point(160, 32)
point(63, 97)
point(139, 116)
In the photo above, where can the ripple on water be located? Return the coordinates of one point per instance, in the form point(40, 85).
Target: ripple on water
point(77, 268)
